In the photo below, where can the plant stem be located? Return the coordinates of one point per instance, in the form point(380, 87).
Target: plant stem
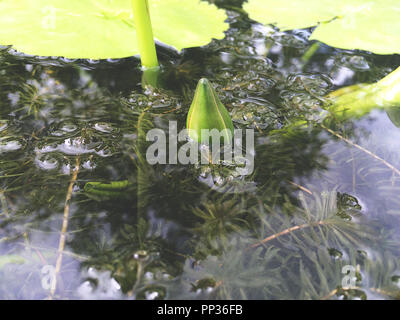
point(150, 77)
point(144, 32)
point(387, 164)
point(286, 231)
point(64, 229)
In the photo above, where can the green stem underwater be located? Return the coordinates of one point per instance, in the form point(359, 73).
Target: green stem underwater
point(144, 32)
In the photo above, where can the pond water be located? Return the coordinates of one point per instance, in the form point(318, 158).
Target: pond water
point(318, 218)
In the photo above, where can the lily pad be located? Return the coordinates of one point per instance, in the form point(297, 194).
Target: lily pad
point(371, 25)
point(101, 29)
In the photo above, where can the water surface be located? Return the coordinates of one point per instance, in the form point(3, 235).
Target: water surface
point(319, 200)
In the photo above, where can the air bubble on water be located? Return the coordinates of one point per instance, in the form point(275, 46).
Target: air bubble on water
point(93, 61)
point(113, 60)
point(106, 288)
point(149, 275)
point(151, 295)
point(228, 184)
point(208, 290)
point(69, 127)
point(46, 163)
point(66, 169)
point(66, 60)
point(57, 133)
point(74, 146)
point(227, 57)
point(103, 127)
point(104, 153)
point(218, 180)
point(9, 145)
point(89, 165)
point(47, 148)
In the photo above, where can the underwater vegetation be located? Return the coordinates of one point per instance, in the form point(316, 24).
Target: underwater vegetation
point(85, 216)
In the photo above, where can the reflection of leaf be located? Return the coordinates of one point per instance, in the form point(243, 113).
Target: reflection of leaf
point(371, 25)
point(11, 259)
point(100, 29)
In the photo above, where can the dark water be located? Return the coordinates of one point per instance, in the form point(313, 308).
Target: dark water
point(322, 204)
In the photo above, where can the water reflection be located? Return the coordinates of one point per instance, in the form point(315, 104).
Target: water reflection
point(189, 240)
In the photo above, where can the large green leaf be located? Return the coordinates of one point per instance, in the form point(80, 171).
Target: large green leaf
point(372, 25)
point(100, 29)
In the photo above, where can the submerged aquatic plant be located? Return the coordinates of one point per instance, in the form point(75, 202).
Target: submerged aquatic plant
point(193, 242)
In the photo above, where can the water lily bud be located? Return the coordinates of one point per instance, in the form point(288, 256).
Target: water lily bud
point(207, 113)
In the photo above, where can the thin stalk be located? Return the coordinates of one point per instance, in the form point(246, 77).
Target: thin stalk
point(373, 155)
point(310, 52)
point(300, 187)
point(4, 204)
point(286, 231)
point(64, 229)
point(144, 33)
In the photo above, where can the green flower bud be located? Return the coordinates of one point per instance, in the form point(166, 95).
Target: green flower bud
point(207, 112)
